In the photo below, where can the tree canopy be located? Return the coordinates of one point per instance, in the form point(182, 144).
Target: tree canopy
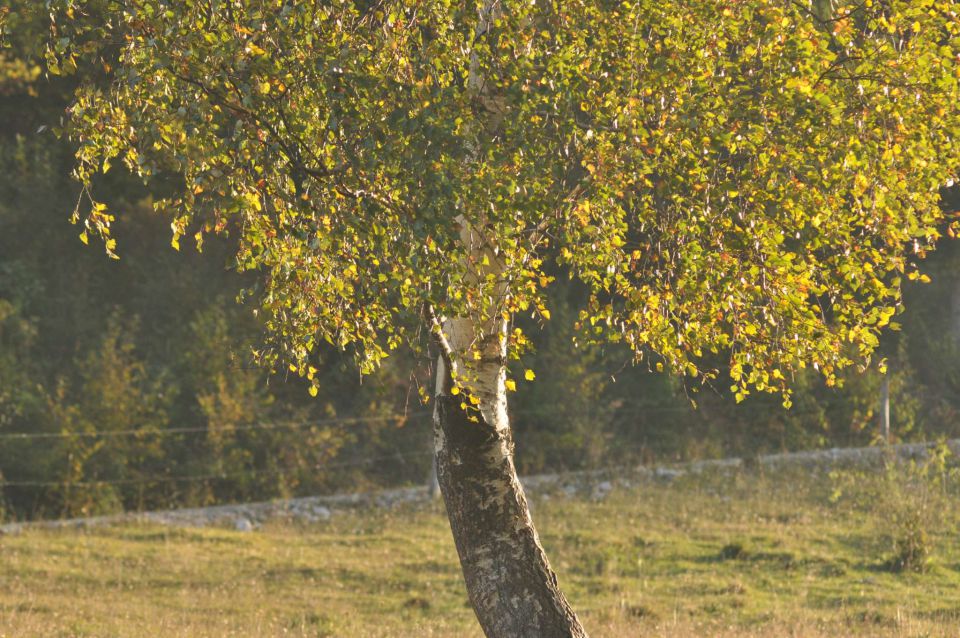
point(747, 178)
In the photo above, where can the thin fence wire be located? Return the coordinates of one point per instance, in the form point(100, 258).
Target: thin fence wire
point(280, 425)
point(204, 477)
point(302, 425)
point(398, 455)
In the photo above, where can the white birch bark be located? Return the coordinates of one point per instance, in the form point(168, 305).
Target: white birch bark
point(511, 586)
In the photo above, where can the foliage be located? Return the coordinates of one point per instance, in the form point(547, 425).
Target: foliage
point(153, 324)
point(562, 420)
point(107, 383)
point(751, 178)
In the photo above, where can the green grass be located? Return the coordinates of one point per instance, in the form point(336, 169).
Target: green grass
point(745, 555)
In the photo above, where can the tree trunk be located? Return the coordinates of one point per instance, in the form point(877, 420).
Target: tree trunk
point(511, 586)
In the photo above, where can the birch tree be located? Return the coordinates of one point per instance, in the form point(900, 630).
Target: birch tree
point(744, 181)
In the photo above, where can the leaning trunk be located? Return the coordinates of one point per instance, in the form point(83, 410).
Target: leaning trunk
point(511, 586)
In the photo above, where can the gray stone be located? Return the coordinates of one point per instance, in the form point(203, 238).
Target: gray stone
point(601, 490)
point(667, 474)
point(250, 516)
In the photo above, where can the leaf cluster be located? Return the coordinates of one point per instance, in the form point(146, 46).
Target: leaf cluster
point(751, 179)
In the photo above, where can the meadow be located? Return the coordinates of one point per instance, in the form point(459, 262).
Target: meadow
point(795, 553)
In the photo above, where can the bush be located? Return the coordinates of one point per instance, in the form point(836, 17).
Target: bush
point(906, 499)
point(911, 547)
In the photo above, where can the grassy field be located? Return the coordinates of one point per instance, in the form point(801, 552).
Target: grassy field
point(738, 555)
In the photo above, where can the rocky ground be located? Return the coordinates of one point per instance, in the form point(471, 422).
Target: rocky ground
point(597, 484)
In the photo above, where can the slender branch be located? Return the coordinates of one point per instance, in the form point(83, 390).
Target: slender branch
point(447, 352)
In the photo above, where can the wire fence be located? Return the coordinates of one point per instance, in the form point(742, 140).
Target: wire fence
point(398, 455)
point(222, 476)
point(286, 425)
point(204, 477)
point(303, 425)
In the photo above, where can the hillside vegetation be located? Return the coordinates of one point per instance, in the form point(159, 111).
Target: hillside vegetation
point(128, 384)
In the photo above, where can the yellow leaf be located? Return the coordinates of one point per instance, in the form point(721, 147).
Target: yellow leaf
point(511, 385)
point(529, 375)
point(455, 391)
point(313, 390)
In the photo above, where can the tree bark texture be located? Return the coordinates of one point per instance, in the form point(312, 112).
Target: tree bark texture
point(508, 578)
point(512, 588)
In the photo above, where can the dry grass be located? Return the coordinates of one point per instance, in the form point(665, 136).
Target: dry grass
point(743, 556)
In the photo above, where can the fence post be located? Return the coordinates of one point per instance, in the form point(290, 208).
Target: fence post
point(433, 483)
point(885, 408)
